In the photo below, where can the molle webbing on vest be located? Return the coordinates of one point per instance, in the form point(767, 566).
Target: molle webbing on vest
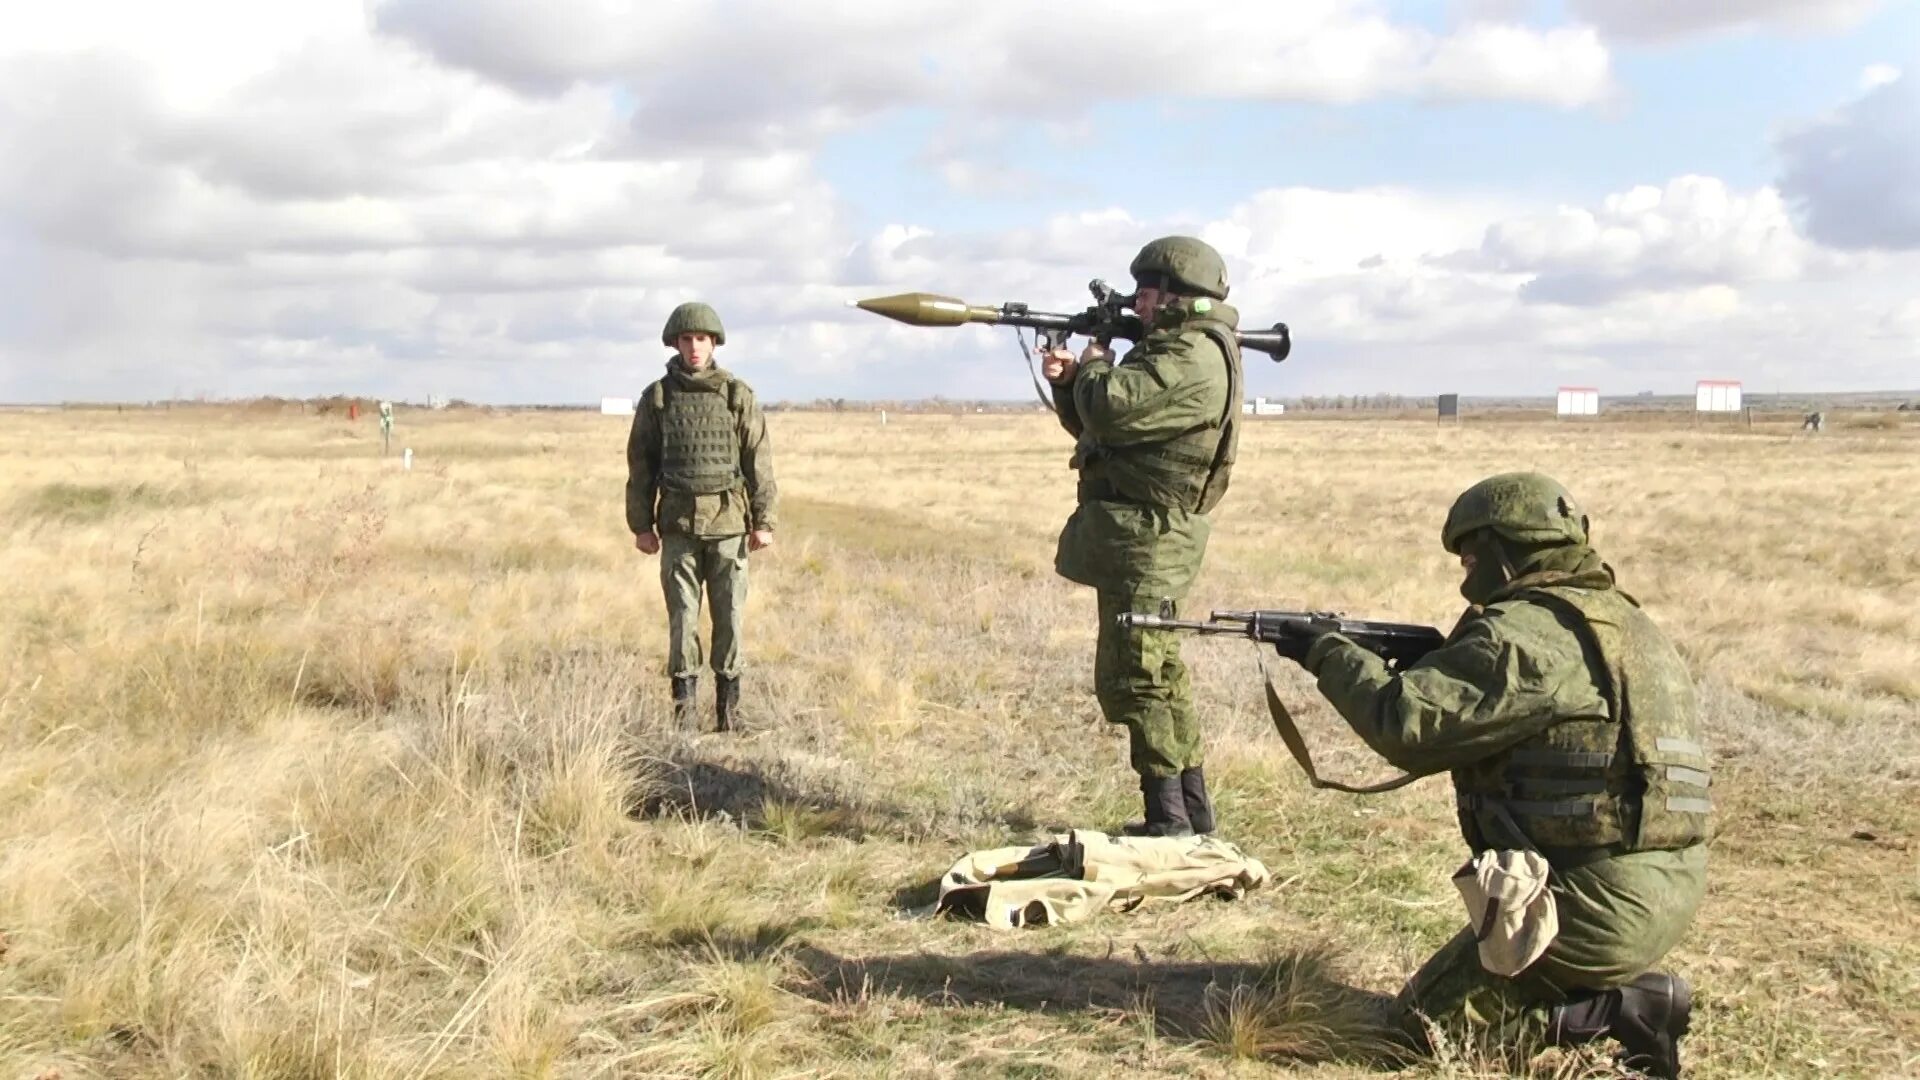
point(1561, 759)
point(1558, 790)
point(1647, 686)
point(1644, 767)
point(1525, 808)
point(1680, 774)
point(699, 439)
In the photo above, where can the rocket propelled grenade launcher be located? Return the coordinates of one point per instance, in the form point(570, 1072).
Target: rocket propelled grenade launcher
point(1108, 318)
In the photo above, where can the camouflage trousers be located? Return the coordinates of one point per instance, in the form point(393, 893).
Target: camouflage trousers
point(1618, 918)
point(1141, 682)
point(717, 566)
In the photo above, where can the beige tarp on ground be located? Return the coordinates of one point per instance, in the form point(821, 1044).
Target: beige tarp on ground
point(1082, 873)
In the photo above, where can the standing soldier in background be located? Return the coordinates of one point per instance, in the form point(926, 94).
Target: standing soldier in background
point(1155, 444)
point(700, 494)
point(1568, 722)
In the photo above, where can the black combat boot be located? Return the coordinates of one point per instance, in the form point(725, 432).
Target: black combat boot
point(1166, 809)
point(726, 702)
point(1193, 788)
point(1656, 1010)
point(685, 689)
point(1647, 1017)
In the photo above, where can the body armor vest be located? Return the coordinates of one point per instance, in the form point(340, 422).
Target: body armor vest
point(1633, 781)
point(1190, 470)
point(699, 439)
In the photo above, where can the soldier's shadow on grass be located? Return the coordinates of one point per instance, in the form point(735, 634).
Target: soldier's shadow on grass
point(1292, 1007)
point(699, 788)
point(744, 792)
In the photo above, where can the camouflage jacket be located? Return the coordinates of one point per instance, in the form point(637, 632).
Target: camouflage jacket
point(1564, 715)
point(1147, 431)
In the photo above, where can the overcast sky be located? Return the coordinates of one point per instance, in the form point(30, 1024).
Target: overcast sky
point(501, 201)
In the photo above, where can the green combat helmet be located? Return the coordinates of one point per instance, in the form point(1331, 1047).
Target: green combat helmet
point(1191, 265)
point(1528, 508)
point(693, 318)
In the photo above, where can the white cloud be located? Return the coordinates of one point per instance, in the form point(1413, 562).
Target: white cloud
point(1567, 66)
point(1656, 20)
point(1875, 76)
point(1690, 233)
point(354, 214)
point(1854, 175)
point(192, 51)
point(817, 67)
point(1308, 232)
point(1471, 11)
point(1390, 289)
point(503, 205)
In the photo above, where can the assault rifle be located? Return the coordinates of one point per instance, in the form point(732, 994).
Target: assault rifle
point(1399, 644)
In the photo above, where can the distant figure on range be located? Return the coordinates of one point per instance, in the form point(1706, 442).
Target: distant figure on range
point(700, 494)
point(1568, 722)
point(1155, 437)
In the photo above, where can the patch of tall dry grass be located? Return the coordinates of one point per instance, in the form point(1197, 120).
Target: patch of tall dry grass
point(310, 766)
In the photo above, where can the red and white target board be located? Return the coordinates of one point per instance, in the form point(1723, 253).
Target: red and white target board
point(1716, 395)
point(1578, 401)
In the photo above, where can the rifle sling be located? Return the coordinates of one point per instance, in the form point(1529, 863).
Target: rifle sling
point(1033, 369)
point(1290, 734)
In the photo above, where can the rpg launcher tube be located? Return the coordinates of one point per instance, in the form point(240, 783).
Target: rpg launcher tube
point(926, 309)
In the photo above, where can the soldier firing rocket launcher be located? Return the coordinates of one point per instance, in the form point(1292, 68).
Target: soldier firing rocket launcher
point(1399, 644)
point(1109, 317)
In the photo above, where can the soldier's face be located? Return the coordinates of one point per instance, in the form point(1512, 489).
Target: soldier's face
point(1146, 303)
point(695, 349)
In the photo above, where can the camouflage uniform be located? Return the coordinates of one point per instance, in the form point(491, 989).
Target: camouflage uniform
point(700, 474)
point(1155, 441)
point(1568, 723)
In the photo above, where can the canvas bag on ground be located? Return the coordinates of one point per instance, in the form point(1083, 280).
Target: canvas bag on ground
point(1082, 873)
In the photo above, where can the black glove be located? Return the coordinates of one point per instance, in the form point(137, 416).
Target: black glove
point(1295, 647)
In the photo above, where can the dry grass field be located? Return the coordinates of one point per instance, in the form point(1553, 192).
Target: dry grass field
point(311, 766)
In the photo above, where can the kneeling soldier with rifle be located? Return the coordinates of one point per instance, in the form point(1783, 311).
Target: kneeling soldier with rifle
point(700, 494)
point(1567, 721)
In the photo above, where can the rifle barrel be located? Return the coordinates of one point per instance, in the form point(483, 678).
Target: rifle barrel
point(1133, 620)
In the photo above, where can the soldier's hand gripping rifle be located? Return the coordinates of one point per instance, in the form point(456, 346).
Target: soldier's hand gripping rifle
point(1292, 633)
point(1110, 316)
